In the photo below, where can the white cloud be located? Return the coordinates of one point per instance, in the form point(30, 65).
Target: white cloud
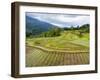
point(62, 19)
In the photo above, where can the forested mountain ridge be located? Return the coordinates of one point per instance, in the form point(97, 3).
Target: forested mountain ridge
point(36, 26)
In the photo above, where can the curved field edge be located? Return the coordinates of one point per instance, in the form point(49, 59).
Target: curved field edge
point(57, 51)
point(53, 44)
point(36, 57)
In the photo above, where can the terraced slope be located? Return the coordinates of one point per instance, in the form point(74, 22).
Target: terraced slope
point(37, 57)
point(67, 49)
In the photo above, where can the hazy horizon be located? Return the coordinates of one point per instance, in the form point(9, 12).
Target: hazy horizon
point(61, 20)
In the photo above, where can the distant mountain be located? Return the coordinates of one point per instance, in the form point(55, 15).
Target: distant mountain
point(85, 27)
point(36, 26)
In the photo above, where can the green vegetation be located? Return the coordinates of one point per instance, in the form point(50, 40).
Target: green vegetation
point(75, 39)
point(70, 40)
point(51, 33)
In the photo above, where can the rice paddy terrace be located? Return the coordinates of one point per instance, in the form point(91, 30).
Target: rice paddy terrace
point(67, 49)
point(38, 57)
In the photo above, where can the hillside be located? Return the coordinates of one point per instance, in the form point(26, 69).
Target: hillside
point(36, 26)
point(67, 41)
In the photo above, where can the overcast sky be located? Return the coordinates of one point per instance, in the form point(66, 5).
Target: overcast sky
point(61, 20)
